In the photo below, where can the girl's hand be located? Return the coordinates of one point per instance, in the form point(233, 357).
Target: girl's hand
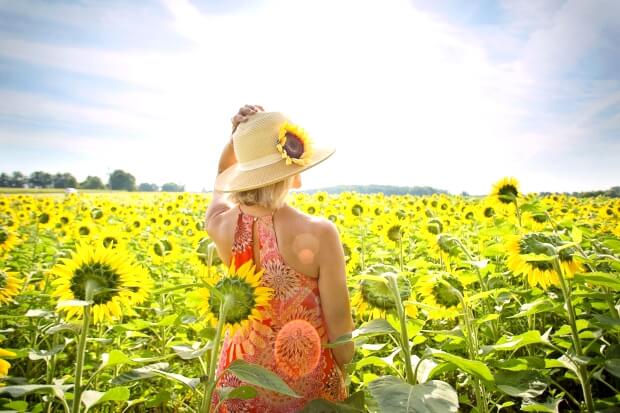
point(244, 113)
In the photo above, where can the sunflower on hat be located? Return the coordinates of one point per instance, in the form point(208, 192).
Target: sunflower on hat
point(294, 144)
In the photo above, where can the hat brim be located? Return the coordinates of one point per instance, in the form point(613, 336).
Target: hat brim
point(234, 179)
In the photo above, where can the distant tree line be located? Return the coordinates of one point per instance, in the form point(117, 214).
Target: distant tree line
point(613, 192)
point(118, 180)
point(385, 189)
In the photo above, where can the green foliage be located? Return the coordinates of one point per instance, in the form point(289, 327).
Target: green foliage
point(121, 180)
point(92, 182)
point(172, 187)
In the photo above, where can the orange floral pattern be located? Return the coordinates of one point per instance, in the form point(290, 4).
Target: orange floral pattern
point(296, 298)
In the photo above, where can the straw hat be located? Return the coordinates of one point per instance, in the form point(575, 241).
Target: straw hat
point(269, 148)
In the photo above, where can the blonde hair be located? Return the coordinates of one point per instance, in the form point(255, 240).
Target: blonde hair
point(270, 196)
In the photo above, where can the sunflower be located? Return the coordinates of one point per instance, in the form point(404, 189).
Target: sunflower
point(9, 286)
point(294, 144)
point(243, 287)
point(118, 284)
point(5, 365)
point(163, 249)
point(438, 293)
point(112, 236)
point(7, 240)
point(391, 228)
point(540, 272)
point(446, 247)
point(203, 252)
point(506, 191)
point(374, 299)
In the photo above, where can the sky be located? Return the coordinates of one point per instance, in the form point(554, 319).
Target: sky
point(450, 94)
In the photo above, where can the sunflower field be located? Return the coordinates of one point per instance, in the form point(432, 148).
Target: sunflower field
point(117, 302)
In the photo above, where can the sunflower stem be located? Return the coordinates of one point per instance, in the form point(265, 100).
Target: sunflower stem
point(582, 370)
point(483, 284)
point(473, 347)
point(518, 211)
point(211, 379)
point(400, 243)
point(404, 337)
point(81, 353)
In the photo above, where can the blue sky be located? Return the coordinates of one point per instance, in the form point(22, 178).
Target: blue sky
point(451, 94)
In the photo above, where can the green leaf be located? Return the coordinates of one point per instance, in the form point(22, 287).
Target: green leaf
point(141, 373)
point(550, 406)
point(603, 279)
point(516, 342)
point(487, 318)
point(607, 322)
point(372, 328)
point(19, 391)
point(63, 327)
point(423, 367)
point(522, 364)
point(394, 396)
point(613, 366)
point(472, 367)
point(260, 376)
point(189, 353)
point(541, 305)
point(114, 358)
point(160, 398)
point(189, 382)
point(524, 384)
point(45, 354)
point(17, 405)
point(38, 313)
point(241, 392)
point(576, 235)
point(325, 406)
point(92, 398)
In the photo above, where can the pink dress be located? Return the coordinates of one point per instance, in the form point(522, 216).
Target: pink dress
point(296, 296)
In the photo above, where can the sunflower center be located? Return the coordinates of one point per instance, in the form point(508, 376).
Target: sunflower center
point(110, 242)
point(162, 247)
point(84, 230)
point(357, 210)
point(4, 235)
point(489, 212)
point(101, 275)
point(394, 233)
point(294, 146)
point(507, 193)
point(445, 295)
point(379, 295)
point(44, 218)
point(243, 299)
point(434, 226)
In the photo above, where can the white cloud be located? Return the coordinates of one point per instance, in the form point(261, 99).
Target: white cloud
point(407, 98)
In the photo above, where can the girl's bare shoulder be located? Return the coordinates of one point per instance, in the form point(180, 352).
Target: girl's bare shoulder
point(319, 226)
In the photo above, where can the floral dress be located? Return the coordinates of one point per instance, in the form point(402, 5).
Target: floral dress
point(295, 297)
